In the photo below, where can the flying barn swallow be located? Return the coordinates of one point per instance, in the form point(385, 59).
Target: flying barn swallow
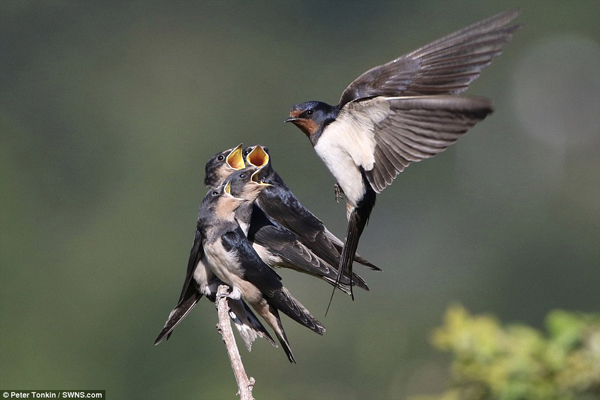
point(400, 112)
point(282, 206)
point(233, 260)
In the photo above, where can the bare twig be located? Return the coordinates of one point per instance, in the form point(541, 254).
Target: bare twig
point(244, 383)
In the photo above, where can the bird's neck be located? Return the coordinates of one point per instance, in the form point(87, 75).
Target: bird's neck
point(243, 215)
point(331, 113)
point(226, 208)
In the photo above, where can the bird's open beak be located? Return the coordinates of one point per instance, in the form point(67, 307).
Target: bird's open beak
point(258, 157)
point(228, 188)
point(258, 177)
point(235, 159)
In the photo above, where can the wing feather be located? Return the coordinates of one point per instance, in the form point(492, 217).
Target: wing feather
point(268, 281)
point(415, 128)
point(196, 254)
point(445, 66)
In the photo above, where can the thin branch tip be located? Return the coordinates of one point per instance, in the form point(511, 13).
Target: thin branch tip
point(245, 384)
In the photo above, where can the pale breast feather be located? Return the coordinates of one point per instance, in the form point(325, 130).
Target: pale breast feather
point(227, 268)
point(223, 263)
point(203, 275)
point(342, 167)
point(349, 143)
point(354, 128)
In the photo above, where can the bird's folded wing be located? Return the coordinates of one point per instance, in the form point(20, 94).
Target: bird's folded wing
point(189, 293)
point(177, 315)
point(445, 66)
point(285, 244)
point(196, 254)
point(268, 281)
point(254, 270)
point(295, 255)
point(309, 229)
point(286, 303)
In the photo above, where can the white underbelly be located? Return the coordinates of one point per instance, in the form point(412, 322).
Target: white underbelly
point(348, 143)
point(223, 263)
point(204, 277)
point(226, 267)
point(342, 167)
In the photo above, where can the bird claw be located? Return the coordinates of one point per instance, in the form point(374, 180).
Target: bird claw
point(338, 192)
point(235, 294)
point(210, 290)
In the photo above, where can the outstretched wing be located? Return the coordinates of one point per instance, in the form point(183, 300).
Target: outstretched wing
point(393, 132)
point(446, 66)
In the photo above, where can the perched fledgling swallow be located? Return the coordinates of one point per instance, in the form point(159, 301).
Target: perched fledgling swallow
point(199, 281)
point(283, 207)
point(233, 260)
point(400, 112)
point(276, 245)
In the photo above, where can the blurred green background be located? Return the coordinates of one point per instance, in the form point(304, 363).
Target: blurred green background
point(110, 109)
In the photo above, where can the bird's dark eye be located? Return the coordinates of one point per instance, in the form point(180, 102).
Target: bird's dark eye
point(309, 112)
point(221, 157)
point(215, 193)
point(243, 176)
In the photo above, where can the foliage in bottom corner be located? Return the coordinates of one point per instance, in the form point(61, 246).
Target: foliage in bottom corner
point(516, 362)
